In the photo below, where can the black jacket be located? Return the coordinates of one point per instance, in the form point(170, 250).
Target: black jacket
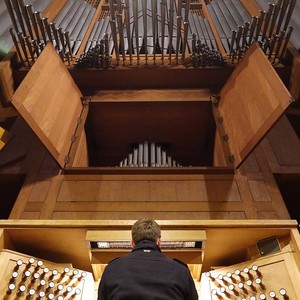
point(146, 274)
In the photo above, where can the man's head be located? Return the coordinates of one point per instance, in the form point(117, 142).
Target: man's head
point(145, 229)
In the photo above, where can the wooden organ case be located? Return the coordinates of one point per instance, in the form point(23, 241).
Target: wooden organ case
point(202, 126)
point(248, 105)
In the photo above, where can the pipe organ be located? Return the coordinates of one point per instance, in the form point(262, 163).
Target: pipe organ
point(147, 154)
point(133, 32)
point(155, 71)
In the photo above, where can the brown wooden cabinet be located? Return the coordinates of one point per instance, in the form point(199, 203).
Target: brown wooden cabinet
point(248, 105)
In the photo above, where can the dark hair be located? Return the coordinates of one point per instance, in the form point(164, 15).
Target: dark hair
point(145, 229)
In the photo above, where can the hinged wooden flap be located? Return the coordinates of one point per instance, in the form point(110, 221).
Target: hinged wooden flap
point(50, 102)
point(250, 102)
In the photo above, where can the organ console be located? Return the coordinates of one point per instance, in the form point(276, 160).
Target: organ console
point(236, 270)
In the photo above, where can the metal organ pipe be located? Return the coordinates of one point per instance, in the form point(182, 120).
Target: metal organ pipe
point(32, 31)
point(140, 156)
point(152, 157)
point(154, 27)
point(151, 27)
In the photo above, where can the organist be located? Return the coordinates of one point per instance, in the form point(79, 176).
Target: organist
point(146, 273)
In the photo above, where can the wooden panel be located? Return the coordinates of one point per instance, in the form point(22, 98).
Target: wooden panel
point(39, 191)
point(250, 103)
point(50, 200)
point(167, 235)
point(210, 190)
point(53, 244)
point(128, 215)
point(152, 206)
point(285, 143)
point(30, 215)
point(219, 153)
point(188, 256)
point(137, 78)
point(250, 165)
point(49, 101)
point(108, 235)
point(259, 190)
point(2, 243)
point(144, 190)
point(29, 167)
point(295, 241)
point(152, 95)
point(267, 215)
point(81, 158)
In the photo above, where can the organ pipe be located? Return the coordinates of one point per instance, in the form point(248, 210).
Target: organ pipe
point(140, 156)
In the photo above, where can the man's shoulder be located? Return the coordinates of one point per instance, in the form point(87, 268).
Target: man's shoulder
point(119, 259)
point(180, 262)
point(114, 260)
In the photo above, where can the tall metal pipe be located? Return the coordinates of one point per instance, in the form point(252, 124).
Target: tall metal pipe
point(12, 15)
point(136, 28)
point(186, 26)
point(26, 17)
point(171, 26)
point(144, 10)
point(283, 10)
point(252, 29)
point(163, 28)
point(17, 10)
point(275, 16)
point(178, 24)
point(287, 39)
point(11, 30)
point(267, 20)
point(33, 21)
point(128, 31)
point(289, 13)
point(259, 24)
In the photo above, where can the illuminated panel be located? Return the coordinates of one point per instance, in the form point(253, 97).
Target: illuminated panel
point(186, 245)
point(164, 245)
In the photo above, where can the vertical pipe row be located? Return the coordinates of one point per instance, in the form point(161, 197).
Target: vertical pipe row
point(147, 154)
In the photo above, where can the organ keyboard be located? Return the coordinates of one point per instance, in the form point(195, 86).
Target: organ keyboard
point(27, 277)
point(187, 246)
